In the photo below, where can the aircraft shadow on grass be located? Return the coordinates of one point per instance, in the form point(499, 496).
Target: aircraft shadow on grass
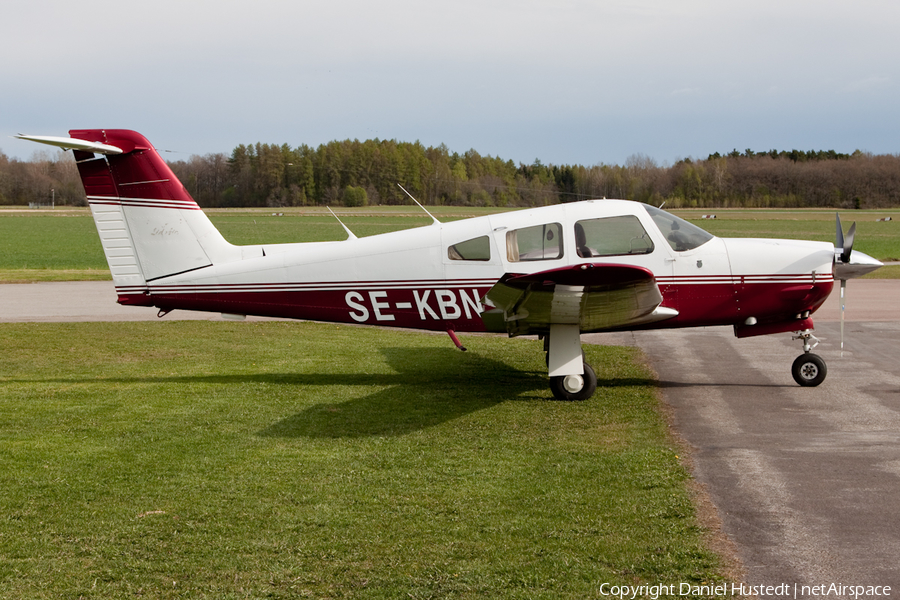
point(430, 386)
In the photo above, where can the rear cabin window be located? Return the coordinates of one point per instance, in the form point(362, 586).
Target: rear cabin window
point(475, 249)
point(611, 236)
point(540, 242)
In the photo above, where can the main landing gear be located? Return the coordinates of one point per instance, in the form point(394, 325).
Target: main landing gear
point(575, 387)
point(809, 369)
point(571, 378)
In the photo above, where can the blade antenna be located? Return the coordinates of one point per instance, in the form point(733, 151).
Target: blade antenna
point(350, 235)
point(436, 222)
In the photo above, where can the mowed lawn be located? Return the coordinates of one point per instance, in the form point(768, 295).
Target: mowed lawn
point(294, 460)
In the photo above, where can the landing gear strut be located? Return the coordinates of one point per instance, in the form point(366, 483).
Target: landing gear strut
point(809, 369)
point(571, 378)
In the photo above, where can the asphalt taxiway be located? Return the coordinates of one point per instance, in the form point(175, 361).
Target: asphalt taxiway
point(806, 481)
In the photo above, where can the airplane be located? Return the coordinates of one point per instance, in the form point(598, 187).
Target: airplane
point(555, 271)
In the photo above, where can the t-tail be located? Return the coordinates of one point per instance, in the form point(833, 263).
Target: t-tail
point(149, 225)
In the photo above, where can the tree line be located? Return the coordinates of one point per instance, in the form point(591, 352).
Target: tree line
point(356, 173)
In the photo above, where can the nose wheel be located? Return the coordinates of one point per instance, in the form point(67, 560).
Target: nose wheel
point(809, 369)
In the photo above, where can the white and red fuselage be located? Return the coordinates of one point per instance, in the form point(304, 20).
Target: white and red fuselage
point(164, 252)
point(408, 278)
point(555, 271)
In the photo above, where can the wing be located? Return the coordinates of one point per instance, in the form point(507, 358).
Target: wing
point(595, 296)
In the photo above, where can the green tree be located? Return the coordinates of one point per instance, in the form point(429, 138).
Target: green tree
point(355, 196)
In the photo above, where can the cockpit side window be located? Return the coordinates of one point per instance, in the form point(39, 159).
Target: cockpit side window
point(680, 234)
point(475, 249)
point(611, 236)
point(539, 242)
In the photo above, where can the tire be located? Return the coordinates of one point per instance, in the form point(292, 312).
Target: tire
point(588, 387)
point(809, 370)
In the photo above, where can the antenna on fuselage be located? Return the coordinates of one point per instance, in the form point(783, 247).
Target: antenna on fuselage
point(350, 235)
point(436, 222)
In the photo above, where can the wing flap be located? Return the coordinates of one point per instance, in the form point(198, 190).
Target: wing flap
point(595, 296)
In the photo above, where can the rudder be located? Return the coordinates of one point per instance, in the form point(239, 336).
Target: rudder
point(149, 225)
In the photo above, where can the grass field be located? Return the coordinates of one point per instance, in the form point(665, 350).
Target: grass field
point(878, 239)
point(298, 460)
point(63, 244)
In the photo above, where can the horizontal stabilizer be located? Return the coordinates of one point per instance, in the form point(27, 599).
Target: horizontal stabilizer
point(72, 144)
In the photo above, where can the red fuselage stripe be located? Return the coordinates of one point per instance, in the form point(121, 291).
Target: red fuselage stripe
point(438, 304)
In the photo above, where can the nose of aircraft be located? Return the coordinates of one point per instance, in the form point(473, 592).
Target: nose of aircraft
point(858, 265)
point(779, 259)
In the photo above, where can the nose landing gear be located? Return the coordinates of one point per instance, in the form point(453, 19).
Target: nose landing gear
point(809, 369)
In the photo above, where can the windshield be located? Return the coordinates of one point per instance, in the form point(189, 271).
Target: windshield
point(680, 234)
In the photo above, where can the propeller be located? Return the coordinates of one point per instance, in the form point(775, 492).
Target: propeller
point(843, 305)
point(845, 246)
point(842, 243)
point(848, 265)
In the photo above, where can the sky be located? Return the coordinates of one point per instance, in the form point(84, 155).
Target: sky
point(562, 81)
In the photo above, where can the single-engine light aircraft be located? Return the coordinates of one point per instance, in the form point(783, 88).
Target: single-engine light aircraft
point(555, 271)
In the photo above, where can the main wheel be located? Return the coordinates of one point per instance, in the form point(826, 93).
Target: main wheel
point(809, 370)
point(575, 387)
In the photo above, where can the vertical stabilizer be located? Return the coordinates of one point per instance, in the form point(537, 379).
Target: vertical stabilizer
point(149, 225)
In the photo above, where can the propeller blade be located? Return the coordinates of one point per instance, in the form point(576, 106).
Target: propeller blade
point(839, 236)
point(848, 243)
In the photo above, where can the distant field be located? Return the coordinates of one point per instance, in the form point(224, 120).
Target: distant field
point(42, 243)
point(878, 239)
point(299, 460)
point(63, 244)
